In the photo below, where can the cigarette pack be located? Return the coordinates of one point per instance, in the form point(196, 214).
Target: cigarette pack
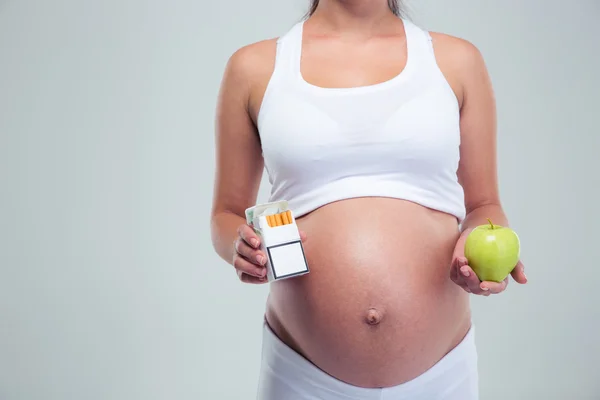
point(279, 238)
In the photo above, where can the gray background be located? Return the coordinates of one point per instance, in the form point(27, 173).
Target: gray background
point(109, 286)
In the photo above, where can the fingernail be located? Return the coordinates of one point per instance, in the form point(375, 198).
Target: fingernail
point(263, 273)
point(465, 272)
point(254, 243)
point(260, 259)
point(485, 288)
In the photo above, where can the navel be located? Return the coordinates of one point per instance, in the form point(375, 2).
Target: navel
point(373, 316)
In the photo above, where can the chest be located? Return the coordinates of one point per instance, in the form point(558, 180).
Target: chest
point(374, 133)
point(335, 64)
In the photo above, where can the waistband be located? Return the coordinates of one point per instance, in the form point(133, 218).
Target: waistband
point(279, 359)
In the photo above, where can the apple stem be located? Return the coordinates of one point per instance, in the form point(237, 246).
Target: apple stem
point(491, 224)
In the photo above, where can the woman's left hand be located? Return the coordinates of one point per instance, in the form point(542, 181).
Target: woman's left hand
point(462, 274)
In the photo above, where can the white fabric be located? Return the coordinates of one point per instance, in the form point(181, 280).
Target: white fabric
point(399, 138)
point(286, 375)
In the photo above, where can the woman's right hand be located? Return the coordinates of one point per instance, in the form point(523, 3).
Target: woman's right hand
point(249, 261)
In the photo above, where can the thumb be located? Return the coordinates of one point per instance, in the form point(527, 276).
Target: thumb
point(518, 273)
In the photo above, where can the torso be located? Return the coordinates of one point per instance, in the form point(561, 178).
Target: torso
point(378, 307)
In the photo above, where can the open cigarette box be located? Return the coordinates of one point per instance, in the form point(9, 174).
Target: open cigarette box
point(280, 239)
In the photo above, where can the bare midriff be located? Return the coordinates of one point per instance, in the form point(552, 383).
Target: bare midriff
point(378, 307)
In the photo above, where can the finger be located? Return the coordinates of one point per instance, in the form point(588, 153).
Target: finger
point(518, 273)
point(457, 275)
point(493, 287)
point(252, 255)
point(249, 236)
point(462, 272)
point(245, 266)
point(244, 277)
point(454, 271)
point(470, 278)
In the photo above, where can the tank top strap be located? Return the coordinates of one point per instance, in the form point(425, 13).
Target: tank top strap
point(420, 43)
point(287, 60)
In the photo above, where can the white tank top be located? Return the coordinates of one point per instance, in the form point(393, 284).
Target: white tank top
point(397, 139)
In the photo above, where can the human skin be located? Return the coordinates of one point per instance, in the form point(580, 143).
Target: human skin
point(384, 303)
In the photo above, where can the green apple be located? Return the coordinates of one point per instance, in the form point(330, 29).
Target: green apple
point(492, 251)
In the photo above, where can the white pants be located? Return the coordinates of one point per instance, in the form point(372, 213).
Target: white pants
point(286, 375)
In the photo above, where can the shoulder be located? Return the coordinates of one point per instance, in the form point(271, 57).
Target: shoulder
point(461, 62)
point(457, 53)
point(248, 72)
point(252, 61)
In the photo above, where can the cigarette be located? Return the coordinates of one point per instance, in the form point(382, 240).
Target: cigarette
point(278, 220)
point(271, 221)
point(289, 215)
point(285, 218)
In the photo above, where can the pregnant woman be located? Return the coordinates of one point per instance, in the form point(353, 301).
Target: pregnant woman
point(382, 138)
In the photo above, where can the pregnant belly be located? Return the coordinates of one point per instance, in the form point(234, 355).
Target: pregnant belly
point(378, 307)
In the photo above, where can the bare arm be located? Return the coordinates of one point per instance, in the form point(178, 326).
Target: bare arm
point(239, 162)
point(477, 171)
point(466, 72)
